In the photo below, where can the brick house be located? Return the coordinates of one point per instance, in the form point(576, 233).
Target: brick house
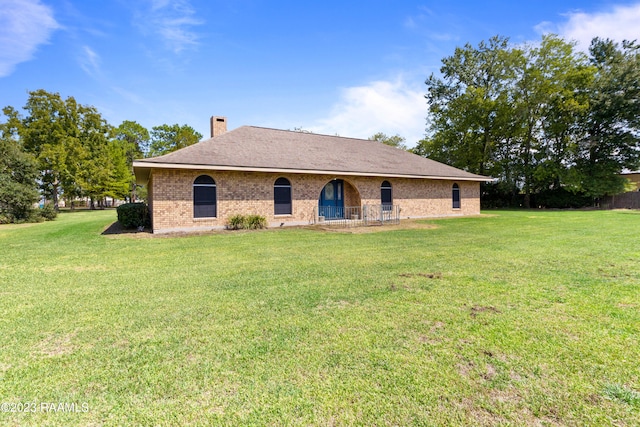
point(294, 178)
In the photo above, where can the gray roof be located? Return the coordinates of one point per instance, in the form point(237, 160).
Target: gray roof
point(253, 148)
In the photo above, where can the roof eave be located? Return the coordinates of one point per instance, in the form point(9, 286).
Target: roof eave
point(142, 171)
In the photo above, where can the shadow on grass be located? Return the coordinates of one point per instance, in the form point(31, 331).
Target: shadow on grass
point(116, 228)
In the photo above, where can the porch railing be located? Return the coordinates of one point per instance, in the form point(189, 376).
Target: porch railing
point(356, 216)
point(381, 214)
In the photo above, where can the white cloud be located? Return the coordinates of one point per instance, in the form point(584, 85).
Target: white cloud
point(130, 97)
point(618, 23)
point(173, 21)
point(392, 107)
point(24, 25)
point(90, 61)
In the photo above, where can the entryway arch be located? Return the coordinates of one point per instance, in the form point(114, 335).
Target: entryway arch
point(338, 199)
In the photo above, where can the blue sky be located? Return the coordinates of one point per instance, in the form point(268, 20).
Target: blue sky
point(351, 68)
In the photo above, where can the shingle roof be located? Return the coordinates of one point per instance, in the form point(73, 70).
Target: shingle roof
point(261, 149)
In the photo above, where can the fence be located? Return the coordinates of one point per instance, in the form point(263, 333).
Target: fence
point(381, 214)
point(355, 216)
point(622, 201)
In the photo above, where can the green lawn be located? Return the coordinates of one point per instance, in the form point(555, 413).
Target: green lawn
point(512, 318)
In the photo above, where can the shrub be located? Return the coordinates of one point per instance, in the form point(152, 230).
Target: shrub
point(246, 222)
point(255, 221)
point(34, 216)
point(134, 215)
point(499, 195)
point(48, 212)
point(561, 199)
point(235, 222)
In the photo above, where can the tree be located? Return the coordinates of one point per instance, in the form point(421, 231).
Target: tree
point(84, 129)
point(107, 173)
point(45, 134)
point(100, 170)
point(18, 172)
point(470, 106)
point(71, 143)
point(393, 141)
point(543, 119)
point(134, 139)
point(568, 78)
point(612, 127)
point(121, 171)
point(165, 139)
point(549, 99)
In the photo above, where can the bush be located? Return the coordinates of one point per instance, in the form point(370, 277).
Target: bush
point(34, 216)
point(246, 222)
point(134, 215)
point(48, 212)
point(235, 222)
point(561, 199)
point(499, 195)
point(255, 221)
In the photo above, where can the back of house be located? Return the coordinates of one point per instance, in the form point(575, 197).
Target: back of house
point(295, 178)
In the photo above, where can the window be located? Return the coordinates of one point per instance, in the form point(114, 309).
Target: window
point(204, 197)
point(385, 195)
point(282, 197)
point(455, 196)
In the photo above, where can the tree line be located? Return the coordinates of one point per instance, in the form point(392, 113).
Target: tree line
point(58, 148)
point(554, 125)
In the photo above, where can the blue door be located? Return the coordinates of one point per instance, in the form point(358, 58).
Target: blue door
point(331, 203)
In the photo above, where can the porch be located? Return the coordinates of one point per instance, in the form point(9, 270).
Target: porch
point(356, 216)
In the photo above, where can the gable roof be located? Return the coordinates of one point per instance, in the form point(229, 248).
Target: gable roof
point(251, 148)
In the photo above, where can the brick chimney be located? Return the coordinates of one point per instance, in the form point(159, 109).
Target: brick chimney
point(218, 125)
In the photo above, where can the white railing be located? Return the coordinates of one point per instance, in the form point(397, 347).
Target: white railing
point(355, 216)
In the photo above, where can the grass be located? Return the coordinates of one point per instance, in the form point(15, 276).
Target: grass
point(512, 318)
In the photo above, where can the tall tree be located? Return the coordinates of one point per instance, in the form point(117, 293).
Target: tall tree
point(569, 78)
point(121, 172)
point(95, 173)
point(166, 138)
point(549, 98)
point(543, 118)
point(69, 141)
point(393, 141)
point(612, 129)
point(18, 171)
point(106, 173)
point(134, 138)
point(46, 136)
point(469, 106)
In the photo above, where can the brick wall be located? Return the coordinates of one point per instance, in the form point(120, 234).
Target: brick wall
point(171, 197)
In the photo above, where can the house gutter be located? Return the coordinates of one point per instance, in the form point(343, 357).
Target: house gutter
point(143, 169)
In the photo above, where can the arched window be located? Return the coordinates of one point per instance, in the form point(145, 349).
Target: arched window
point(282, 197)
point(455, 196)
point(386, 198)
point(204, 197)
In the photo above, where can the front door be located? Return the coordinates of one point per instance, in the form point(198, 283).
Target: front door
point(331, 203)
